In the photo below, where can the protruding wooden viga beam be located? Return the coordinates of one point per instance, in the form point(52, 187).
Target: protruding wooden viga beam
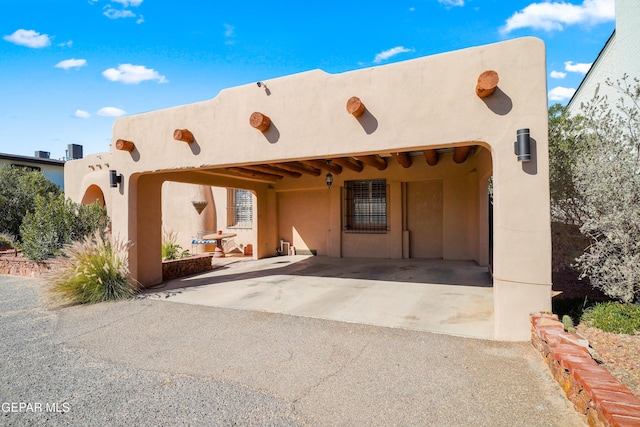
point(274, 170)
point(183, 135)
point(373, 160)
point(299, 167)
point(323, 164)
point(460, 154)
point(431, 156)
point(349, 163)
point(255, 174)
point(487, 83)
point(355, 106)
point(124, 145)
point(260, 121)
point(403, 159)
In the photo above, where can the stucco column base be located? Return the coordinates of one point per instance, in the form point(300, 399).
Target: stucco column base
point(512, 304)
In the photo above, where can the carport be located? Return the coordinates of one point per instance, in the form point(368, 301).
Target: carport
point(450, 297)
point(386, 163)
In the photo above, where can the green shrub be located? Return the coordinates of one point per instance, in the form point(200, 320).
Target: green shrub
point(619, 318)
point(19, 188)
point(170, 249)
point(93, 270)
point(567, 322)
point(56, 221)
point(7, 241)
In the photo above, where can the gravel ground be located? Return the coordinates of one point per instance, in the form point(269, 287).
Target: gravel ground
point(145, 362)
point(619, 353)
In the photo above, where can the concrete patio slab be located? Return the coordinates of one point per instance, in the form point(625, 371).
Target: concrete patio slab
point(449, 297)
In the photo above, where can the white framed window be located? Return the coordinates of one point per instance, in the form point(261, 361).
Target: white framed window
point(239, 208)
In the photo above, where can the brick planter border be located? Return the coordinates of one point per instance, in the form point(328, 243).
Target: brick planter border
point(594, 392)
point(186, 266)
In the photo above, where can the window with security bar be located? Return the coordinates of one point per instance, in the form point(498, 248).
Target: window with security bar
point(365, 206)
point(239, 208)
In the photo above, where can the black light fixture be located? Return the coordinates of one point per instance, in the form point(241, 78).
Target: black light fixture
point(328, 179)
point(114, 178)
point(522, 147)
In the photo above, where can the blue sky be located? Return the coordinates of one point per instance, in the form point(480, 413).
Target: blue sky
point(69, 67)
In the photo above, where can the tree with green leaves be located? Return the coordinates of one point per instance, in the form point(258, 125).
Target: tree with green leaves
point(57, 221)
point(19, 188)
point(595, 185)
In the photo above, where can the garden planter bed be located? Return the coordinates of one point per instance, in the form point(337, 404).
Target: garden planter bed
point(186, 266)
point(20, 266)
point(595, 393)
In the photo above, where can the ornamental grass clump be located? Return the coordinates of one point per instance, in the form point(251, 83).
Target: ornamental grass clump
point(93, 270)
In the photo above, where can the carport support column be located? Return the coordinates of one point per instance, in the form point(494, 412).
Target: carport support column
point(144, 227)
point(522, 235)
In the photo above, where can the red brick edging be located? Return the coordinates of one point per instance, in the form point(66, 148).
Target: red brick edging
point(595, 393)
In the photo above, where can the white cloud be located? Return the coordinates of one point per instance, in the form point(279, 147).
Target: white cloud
point(577, 68)
point(140, 19)
point(81, 114)
point(229, 33)
point(127, 3)
point(560, 93)
point(111, 112)
point(133, 74)
point(549, 16)
point(451, 3)
point(558, 75)
point(389, 53)
point(112, 13)
point(66, 44)
point(71, 63)
point(29, 38)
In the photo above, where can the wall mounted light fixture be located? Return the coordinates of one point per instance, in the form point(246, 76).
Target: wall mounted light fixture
point(114, 178)
point(328, 179)
point(522, 147)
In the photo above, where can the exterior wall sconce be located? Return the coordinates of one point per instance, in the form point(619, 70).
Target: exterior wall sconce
point(522, 147)
point(328, 179)
point(114, 178)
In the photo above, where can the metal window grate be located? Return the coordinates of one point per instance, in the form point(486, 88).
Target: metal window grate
point(365, 206)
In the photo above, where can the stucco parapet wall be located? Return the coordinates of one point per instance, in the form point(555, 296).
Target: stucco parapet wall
point(425, 102)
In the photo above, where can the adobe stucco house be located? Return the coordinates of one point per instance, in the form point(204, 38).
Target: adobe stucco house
point(411, 148)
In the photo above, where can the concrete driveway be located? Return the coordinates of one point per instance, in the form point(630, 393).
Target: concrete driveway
point(145, 362)
point(450, 297)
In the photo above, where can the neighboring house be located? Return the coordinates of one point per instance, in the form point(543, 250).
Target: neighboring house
point(52, 169)
point(619, 56)
point(385, 162)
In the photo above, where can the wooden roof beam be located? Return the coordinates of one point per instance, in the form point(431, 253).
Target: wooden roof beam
point(254, 174)
point(299, 167)
point(487, 83)
point(324, 164)
point(349, 163)
point(273, 169)
point(373, 160)
point(460, 154)
point(431, 156)
point(403, 159)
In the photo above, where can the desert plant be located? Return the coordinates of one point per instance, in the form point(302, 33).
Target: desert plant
point(619, 318)
point(19, 188)
point(567, 322)
point(93, 270)
point(7, 241)
point(56, 221)
point(607, 181)
point(170, 249)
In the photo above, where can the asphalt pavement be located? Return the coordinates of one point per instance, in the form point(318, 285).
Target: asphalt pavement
point(149, 362)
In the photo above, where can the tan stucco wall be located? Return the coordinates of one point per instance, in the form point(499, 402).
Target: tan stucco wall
point(424, 103)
